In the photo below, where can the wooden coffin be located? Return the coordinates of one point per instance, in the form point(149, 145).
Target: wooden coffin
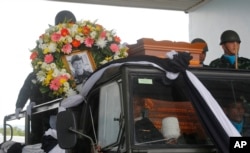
point(148, 46)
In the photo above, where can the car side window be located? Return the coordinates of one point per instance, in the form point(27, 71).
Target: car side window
point(109, 114)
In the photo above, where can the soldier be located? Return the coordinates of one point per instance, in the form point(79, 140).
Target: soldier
point(236, 113)
point(30, 91)
point(204, 52)
point(230, 43)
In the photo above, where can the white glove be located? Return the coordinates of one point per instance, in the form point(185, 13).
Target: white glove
point(29, 108)
point(17, 112)
point(61, 109)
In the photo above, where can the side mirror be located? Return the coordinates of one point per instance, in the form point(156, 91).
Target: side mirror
point(66, 121)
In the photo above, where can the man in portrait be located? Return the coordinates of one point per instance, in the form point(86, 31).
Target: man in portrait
point(80, 74)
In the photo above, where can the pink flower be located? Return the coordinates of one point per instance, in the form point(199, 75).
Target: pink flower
point(55, 37)
point(114, 47)
point(55, 84)
point(67, 49)
point(33, 55)
point(89, 42)
point(48, 58)
point(103, 34)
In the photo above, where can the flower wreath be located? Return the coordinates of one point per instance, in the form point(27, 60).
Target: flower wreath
point(62, 39)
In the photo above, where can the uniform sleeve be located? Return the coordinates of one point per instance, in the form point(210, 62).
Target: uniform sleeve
point(25, 91)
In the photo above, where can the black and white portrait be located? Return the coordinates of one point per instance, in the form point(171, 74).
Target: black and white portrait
point(80, 66)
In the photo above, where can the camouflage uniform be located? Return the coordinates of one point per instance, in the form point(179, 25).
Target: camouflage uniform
point(243, 63)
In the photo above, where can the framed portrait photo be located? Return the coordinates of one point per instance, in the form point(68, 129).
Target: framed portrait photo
point(80, 64)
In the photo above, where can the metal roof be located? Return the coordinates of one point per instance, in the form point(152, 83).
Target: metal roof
point(177, 5)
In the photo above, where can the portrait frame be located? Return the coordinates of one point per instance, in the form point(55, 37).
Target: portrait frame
point(87, 61)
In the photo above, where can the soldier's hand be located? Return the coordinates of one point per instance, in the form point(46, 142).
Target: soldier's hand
point(29, 108)
point(17, 112)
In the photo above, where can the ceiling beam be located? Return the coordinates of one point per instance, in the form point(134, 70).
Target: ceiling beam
point(176, 5)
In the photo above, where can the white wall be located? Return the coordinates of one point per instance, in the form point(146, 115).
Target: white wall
point(209, 21)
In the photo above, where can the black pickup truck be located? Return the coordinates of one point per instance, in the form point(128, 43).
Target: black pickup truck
point(151, 105)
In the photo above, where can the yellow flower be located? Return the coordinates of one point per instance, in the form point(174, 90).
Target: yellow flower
point(48, 78)
point(46, 51)
point(108, 58)
point(63, 80)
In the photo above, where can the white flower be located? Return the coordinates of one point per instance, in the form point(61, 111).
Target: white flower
point(101, 43)
point(52, 47)
point(55, 73)
point(116, 56)
point(41, 76)
point(66, 86)
point(49, 30)
point(79, 38)
point(40, 41)
point(93, 34)
point(74, 29)
point(110, 38)
point(53, 65)
point(47, 34)
point(71, 92)
point(63, 71)
point(113, 32)
point(103, 62)
point(45, 66)
point(125, 54)
point(68, 39)
point(42, 46)
point(68, 75)
point(108, 34)
point(84, 23)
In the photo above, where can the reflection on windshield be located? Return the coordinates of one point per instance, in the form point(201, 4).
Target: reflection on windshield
point(163, 114)
point(233, 96)
point(166, 122)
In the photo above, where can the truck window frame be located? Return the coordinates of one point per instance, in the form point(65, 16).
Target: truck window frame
point(128, 86)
